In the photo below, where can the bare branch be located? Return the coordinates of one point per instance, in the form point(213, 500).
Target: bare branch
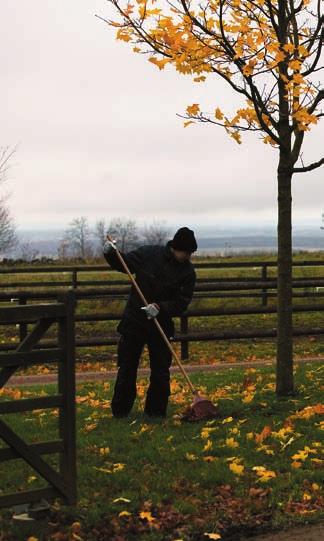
point(311, 167)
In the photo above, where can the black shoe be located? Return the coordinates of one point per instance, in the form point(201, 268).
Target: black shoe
point(155, 415)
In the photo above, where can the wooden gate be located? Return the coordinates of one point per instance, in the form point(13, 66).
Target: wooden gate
point(61, 483)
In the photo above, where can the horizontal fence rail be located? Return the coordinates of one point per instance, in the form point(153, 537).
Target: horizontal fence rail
point(31, 350)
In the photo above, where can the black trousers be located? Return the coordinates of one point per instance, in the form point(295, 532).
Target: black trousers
point(130, 348)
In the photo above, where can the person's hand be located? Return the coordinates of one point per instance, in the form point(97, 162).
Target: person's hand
point(151, 310)
point(109, 245)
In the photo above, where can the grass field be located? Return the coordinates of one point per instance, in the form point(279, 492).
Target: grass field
point(259, 466)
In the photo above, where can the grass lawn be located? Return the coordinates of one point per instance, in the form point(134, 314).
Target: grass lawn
point(260, 466)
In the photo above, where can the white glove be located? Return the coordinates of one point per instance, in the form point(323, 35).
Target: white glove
point(108, 246)
point(151, 310)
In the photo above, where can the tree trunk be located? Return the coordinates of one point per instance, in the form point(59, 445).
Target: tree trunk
point(285, 377)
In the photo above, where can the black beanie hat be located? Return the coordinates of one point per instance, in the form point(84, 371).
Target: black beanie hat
point(184, 240)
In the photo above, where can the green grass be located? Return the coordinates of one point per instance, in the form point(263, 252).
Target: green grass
point(180, 473)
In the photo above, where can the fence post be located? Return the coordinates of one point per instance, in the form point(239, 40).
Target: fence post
point(264, 277)
point(184, 345)
point(66, 387)
point(22, 326)
point(75, 278)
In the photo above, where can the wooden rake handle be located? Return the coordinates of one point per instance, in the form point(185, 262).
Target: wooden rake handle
point(161, 331)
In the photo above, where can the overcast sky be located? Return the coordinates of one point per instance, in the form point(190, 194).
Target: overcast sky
point(98, 135)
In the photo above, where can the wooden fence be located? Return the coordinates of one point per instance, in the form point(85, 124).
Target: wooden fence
point(61, 483)
point(261, 288)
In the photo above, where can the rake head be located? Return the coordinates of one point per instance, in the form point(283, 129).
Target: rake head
point(200, 409)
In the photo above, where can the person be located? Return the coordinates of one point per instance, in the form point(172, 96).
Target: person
point(167, 278)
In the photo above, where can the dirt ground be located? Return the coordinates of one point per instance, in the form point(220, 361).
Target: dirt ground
point(304, 533)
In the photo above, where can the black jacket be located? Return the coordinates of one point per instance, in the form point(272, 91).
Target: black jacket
point(162, 279)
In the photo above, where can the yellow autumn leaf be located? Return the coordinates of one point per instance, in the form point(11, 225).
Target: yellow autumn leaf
point(301, 455)
point(103, 470)
point(238, 469)
point(295, 65)
point(193, 109)
point(230, 442)
point(159, 63)
point(319, 409)
point(118, 467)
point(190, 456)
point(205, 432)
point(146, 515)
point(248, 397)
point(122, 35)
point(124, 514)
point(318, 461)
point(227, 420)
point(121, 499)
point(265, 433)
point(218, 114)
point(76, 527)
point(209, 458)
point(237, 137)
point(187, 123)
point(264, 474)
point(104, 451)
point(208, 446)
point(289, 47)
point(31, 478)
point(213, 535)
point(90, 427)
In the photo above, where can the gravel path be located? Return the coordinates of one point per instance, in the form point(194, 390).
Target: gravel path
point(142, 372)
point(303, 533)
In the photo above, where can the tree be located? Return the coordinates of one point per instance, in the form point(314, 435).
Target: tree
point(27, 251)
point(124, 232)
point(8, 237)
point(270, 53)
point(156, 233)
point(78, 234)
point(101, 233)
point(63, 249)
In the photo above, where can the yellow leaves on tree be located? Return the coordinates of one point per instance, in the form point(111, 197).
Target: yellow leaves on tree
point(304, 119)
point(193, 109)
point(124, 35)
point(218, 114)
point(159, 63)
point(236, 40)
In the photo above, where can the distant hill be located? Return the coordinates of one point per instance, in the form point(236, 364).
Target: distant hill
point(210, 240)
